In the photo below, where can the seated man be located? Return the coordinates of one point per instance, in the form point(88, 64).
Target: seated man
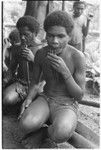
point(63, 68)
point(21, 64)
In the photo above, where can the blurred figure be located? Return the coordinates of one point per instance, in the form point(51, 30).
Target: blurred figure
point(8, 48)
point(12, 40)
point(81, 25)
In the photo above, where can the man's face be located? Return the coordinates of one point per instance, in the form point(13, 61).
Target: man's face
point(26, 35)
point(57, 38)
point(78, 10)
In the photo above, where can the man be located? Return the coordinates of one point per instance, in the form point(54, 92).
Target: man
point(81, 25)
point(63, 68)
point(21, 64)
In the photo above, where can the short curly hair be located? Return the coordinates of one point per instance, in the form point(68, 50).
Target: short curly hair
point(76, 3)
point(30, 22)
point(59, 18)
point(14, 36)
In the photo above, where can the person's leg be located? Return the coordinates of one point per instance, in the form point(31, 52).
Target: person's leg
point(10, 95)
point(35, 115)
point(64, 123)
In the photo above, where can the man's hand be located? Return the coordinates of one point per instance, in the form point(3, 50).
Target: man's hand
point(57, 63)
point(27, 54)
point(25, 104)
point(5, 68)
point(7, 44)
point(90, 16)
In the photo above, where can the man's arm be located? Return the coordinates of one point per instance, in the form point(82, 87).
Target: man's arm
point(76, 83)
point(33, 90)
point(34, 86)
point(85, 29)
point(79, 74)
point(85, 26)
point(36, 76)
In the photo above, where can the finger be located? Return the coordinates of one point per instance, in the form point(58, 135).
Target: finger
point(55, 67)
point(26, 106)
point(53, 51)
point(19, 116)
point(53, 59)
point(22, 111)
point(24, 56)
point(26, 52)
point(54, 64)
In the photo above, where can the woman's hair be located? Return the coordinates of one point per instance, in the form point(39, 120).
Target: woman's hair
point(30, 22)
point(59, 18)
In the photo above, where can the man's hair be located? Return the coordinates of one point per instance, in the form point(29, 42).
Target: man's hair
point(59, 18)
point(76, 3)
point(30, 22)
point(14, 36)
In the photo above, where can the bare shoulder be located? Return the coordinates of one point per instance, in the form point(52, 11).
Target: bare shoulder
point(77, 56)
point(41, 54)
point(42, 51)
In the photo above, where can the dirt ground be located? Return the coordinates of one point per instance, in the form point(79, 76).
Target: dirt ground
point(89, 115)
point(12, 136)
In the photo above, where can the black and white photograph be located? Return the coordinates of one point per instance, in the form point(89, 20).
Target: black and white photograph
point(50, 74)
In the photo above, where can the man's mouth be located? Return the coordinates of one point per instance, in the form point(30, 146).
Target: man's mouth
point(55, 45)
